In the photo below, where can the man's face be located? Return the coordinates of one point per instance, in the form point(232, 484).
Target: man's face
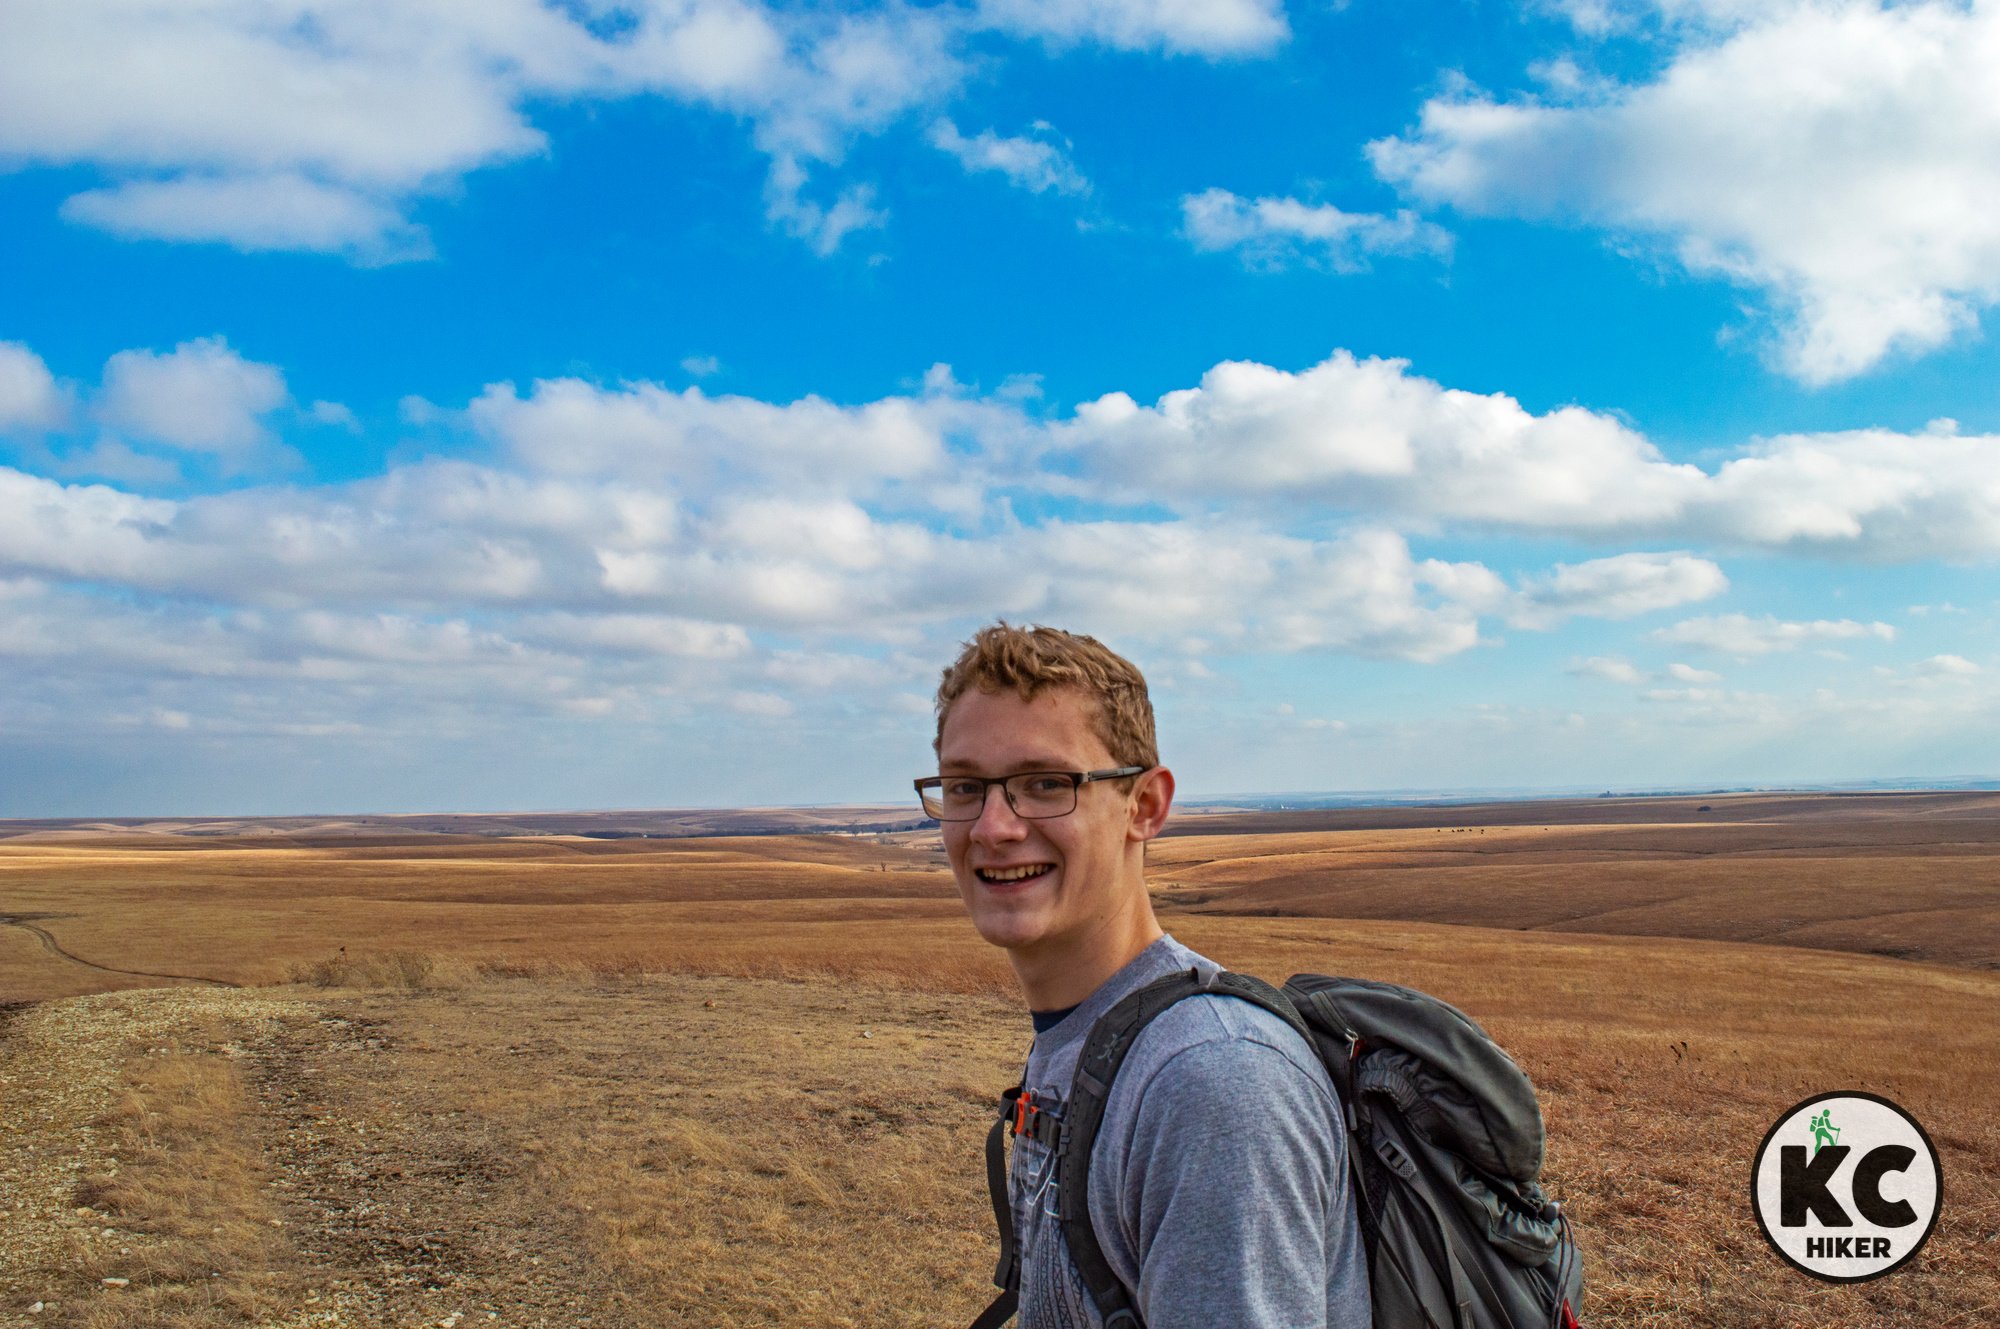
point(1031, 883)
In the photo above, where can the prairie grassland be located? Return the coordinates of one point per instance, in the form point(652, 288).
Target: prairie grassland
point(683, 1150)
point(488, 1079)
point(252, 910)
point(1914, 889)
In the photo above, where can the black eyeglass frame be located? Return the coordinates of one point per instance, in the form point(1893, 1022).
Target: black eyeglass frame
point(1077, 780)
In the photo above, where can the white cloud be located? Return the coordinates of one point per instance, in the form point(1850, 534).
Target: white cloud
point(89, 532)
point(315, 125)
point(1367, 436)
point(1691, 696)
point(677, 564)
point(1743, 636)
point(1611, 668)
point(1364, 593)
point(1594, 18)
point(596, 566)
point(1871, 493)
point(201, 396)
point(1276, 231)
point(623, 551)
point(1835, 154)
point(30, 400)
point(1955, 666)
point(760, 705)
point(637, 634)
point(333, 414)
point(1623, 586)
point(702, 366)
point(1034, 162)
point(823, 227)
point(1196, 27)
point(281, 211)
point(1599, 18)
point(688, 438)
point(113, 459)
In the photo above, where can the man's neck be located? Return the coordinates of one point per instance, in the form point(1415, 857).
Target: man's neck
point(1063, 975)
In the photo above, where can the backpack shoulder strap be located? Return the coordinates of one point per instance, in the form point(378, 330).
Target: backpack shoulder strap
point(1007, 1276)
point(1103, 1053)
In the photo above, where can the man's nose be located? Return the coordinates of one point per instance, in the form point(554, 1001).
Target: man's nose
point(997, 818)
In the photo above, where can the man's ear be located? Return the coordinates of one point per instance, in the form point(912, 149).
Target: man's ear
point(1152, 799)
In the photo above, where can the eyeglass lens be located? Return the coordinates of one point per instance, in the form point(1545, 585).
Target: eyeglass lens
point(1032, 794)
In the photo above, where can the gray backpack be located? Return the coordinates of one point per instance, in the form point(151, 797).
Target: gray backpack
point(1444, 1149)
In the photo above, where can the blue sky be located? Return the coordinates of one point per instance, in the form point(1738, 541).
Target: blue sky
point(414, 406)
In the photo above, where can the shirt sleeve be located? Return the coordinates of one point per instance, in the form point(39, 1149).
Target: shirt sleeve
point(1233, 1175)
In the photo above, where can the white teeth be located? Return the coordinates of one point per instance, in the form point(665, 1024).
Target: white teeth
point(1013, 874)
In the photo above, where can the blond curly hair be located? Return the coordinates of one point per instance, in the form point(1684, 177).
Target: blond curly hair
point(1032, 660)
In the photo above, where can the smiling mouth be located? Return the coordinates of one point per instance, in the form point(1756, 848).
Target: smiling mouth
point(1015, 875)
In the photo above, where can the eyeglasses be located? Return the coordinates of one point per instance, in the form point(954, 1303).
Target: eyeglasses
point(1029, 793)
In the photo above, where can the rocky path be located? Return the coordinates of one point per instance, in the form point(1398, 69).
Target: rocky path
point(671, 1152)
point(62, 1067)
point(385, 1205)
point(401, 1207)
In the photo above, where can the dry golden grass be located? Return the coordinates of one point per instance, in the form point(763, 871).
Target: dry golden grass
point(1918, 890)
point(183, 1212)
point(759, 1162)
point(507, 1093)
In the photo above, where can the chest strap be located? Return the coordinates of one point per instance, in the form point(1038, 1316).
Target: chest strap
point(1019, 1115)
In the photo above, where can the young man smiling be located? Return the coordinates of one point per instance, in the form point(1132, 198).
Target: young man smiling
point(1218, 1183)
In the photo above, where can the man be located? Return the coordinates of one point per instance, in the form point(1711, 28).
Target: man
point(1218, 1184)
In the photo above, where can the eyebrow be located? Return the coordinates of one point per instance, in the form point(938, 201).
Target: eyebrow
point(1030, 764)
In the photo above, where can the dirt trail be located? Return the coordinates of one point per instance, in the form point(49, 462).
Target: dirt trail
point(404, 1207)
point(391, 1207)
point(520, 1154)
point(55, 948)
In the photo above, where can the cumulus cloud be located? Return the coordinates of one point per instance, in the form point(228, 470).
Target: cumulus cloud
point(1834, 154)
point(30, 399)
point(1623, 586)
point(1192, 27)
point(823, 226)
point(1695, 696)
point(1743, 636)
point(334, 415)
point(1369, 436)
point(1035, 161)
point(1610, 668)
point(1273, 232)
point(650, 433)
point(588, 564)
point(201, 396)
point(315, 125)
point(1873, 493)
point(319, 126)
point(678, 562)
point(285, 211)
point(623, 548)
point(1599, 18)
point(1949, 666)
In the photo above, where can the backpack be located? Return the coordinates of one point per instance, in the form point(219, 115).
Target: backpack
point(1444, 1148)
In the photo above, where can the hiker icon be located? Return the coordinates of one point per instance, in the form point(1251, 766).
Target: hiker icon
point(1824, 1131)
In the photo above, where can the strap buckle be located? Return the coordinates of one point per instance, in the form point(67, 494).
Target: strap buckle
point(1041, 1124)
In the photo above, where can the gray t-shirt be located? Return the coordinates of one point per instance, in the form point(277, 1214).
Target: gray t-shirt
point(1218, 1184)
